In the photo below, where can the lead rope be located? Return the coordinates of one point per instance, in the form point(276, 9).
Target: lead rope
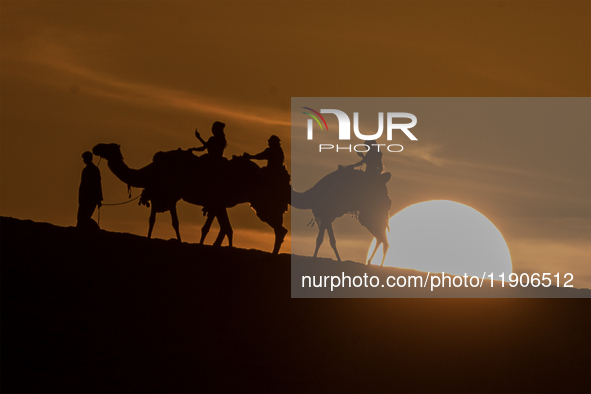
point(119, 203)
point(99, 218)
point(112, 205)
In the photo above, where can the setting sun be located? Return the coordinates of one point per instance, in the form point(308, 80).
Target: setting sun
point(446, 236)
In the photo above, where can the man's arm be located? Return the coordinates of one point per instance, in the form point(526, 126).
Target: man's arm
point(199, 137)
point(259, 156)
point(358, 164)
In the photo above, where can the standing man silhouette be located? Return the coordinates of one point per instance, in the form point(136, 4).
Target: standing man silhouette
point(90, 193)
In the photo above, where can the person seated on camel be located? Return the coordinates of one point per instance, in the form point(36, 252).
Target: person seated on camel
point(273, 154)
point(372, 160)
point(216, 144)
point(217, 163)
point(274, 177)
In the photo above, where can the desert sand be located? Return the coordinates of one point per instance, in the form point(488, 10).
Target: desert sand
point(114, 312)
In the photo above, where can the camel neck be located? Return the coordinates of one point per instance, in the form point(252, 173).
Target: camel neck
point(130, 176)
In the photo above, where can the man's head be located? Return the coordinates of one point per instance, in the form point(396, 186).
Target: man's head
point(217, 127)
point(274, 141)
point(87, 157)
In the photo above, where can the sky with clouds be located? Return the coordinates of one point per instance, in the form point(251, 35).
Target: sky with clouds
point(145, 74)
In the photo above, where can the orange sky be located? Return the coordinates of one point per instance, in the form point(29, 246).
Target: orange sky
point(146, 74)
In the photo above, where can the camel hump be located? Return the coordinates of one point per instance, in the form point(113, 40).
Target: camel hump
point(171, 156)
point(345, 177)
point(175, 160)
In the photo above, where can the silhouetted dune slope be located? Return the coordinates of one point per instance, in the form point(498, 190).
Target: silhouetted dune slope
point(120, 313)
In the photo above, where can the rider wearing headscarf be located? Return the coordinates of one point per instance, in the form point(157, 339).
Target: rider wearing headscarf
point(274, 177)
point(273, 154)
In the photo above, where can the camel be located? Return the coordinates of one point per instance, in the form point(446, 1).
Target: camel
point(343, 191)
point(215, 184)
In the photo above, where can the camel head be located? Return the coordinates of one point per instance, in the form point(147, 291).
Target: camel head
point(108, 151)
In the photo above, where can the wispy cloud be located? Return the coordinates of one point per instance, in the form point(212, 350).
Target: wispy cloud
point(110, 86)
point(432, 154)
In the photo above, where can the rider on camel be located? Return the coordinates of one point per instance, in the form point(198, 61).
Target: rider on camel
point(215, 147)
point(372, 160)
point(273, 154)
point(274, 177)
point(216, 144)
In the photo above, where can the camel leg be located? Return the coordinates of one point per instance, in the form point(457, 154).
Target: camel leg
point(225, 228)
point(319, 238)
point(378, 243)
point(151, 221)
point(276, 224)
point(222, 233)
point(280, 233)
point(386, 247)
point(229, 231)
point(175, 222)
point(333, 241)
point(206, 227)
point(274, 218)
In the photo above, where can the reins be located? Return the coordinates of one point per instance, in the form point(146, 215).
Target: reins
point(114, 204)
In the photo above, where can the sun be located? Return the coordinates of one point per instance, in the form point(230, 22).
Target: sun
point(445, 236)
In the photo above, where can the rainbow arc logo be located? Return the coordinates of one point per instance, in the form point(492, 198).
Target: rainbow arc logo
point(315, 117)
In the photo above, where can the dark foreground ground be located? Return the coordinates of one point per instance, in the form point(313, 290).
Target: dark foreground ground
point(121, 313)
